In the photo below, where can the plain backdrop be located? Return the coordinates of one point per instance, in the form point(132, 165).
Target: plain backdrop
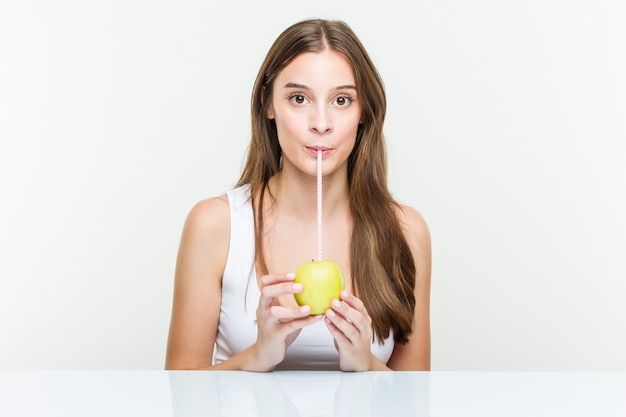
point(506, 128)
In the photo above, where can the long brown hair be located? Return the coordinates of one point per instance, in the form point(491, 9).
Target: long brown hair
point(382, 266)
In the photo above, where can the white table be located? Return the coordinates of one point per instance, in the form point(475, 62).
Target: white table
point(393, 394)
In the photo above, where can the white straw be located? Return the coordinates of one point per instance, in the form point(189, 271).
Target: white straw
point(319, 205)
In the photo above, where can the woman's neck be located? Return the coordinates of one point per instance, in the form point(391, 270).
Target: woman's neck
point(296, 194)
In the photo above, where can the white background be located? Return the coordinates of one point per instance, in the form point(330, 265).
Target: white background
point(506, 130)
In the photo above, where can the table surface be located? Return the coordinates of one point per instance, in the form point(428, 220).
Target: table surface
point(311, 393)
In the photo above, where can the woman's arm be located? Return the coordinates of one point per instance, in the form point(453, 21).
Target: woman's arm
point(415, 355)
point(350, 324)
point(197, 287)
point(198, 293)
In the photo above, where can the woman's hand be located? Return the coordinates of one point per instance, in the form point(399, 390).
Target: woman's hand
point(351, 327)
point(277, 325)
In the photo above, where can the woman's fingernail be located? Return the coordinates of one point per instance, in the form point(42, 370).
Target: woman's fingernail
point(330, 313)
point(335, 303)
point(297, 287)
point(291, 275)
point(344, 294)
point(305, 309)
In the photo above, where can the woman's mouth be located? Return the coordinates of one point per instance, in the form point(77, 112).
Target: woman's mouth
point(312, 150)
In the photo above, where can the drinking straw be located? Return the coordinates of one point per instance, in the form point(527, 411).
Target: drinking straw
point(319, 205)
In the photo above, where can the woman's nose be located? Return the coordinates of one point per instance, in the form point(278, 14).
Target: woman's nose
point(320, 120)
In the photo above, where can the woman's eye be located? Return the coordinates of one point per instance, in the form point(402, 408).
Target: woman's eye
point(343, 101)
point(298, 99)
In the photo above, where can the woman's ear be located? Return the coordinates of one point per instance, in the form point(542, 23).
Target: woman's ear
point(270, 108)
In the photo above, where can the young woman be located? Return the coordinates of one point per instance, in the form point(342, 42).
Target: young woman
point(234, 305)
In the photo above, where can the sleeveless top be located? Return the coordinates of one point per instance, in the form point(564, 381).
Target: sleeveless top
point(314, 347)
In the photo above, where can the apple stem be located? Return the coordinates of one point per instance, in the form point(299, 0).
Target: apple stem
point(319, 205)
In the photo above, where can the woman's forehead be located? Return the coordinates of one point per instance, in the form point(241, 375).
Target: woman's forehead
point(317, 69)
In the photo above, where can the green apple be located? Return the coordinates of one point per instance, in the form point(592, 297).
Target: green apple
point(322, 281)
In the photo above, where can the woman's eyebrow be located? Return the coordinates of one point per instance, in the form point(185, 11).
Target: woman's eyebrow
point(346, 87)
point(304, 87)
point(298, 86)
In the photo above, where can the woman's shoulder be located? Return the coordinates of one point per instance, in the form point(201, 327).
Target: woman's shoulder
point(205, 238)
point(415, 227)
point(210, 207)
point(209, 220)
point(209, 216)
point(410, 217)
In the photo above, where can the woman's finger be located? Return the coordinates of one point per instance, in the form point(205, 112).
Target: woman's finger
point(353, 311)
point(271, 279)
point(275, 285)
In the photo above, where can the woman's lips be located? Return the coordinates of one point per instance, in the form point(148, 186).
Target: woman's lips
point(312, 150)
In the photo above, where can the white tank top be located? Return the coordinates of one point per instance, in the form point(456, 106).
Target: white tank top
point(313, 349)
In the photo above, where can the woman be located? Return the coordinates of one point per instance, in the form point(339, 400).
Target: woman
point(234, 306)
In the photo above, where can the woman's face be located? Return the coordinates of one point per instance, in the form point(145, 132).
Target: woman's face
point(316, 107)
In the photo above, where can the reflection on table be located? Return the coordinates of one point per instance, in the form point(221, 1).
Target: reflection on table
point(300, 394)
point(311, 393)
